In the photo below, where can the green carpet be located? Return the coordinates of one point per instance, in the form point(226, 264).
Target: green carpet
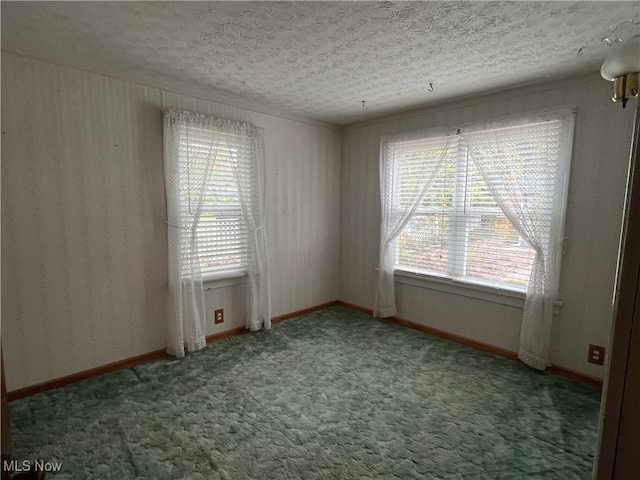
point(330, 395)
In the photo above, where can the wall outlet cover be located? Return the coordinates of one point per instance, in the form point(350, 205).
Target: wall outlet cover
point(596, 354)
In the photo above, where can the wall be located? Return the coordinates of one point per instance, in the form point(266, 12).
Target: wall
point(594, 212)
point(83, 219)
point(84, 233)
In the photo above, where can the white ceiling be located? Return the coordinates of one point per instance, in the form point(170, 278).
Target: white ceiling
point(319, 59)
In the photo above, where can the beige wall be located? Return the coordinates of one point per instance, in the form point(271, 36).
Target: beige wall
point(83, 218)
point(594, 212)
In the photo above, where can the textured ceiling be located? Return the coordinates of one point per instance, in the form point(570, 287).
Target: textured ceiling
point(319, 59)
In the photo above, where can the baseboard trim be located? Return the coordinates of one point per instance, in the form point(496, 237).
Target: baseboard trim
point(215, 337)
point(573, 374)
point(84, 375)
point(304, 311)
point(485, 347)
point(145, 357)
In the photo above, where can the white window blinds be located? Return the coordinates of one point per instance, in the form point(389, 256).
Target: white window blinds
point(458, 230)
point(221, 232)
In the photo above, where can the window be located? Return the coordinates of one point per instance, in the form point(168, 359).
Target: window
point(482, 205)
point(458, 230)
point(214, 179)
point(210, 157)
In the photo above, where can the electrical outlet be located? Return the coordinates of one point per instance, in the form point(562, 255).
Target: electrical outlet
point(596, 354)
point(218, 315)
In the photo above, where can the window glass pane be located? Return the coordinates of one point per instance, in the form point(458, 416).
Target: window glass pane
point(221, 234)
point(478, 194)
point(221, 241)
point(529, 154)
point(423, 243)
point(441, 192)
point(496, 251)
point(223, 189)
point(412, 164)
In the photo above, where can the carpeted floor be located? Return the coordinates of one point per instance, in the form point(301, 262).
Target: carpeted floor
point(330, 395)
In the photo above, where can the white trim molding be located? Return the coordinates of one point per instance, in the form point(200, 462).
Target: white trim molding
point(487, 293)
point(213, 283)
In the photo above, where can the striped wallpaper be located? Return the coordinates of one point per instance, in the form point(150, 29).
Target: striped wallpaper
point(84, 234)
point(83, 219)
point(594, 214)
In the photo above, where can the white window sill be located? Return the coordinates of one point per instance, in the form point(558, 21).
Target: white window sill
point(227, 279)
point(504, 296)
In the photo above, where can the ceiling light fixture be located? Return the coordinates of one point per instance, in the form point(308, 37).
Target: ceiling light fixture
point(622, 65)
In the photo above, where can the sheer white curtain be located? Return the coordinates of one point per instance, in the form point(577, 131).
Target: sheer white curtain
point(249, 174)
point(185, 197)
point(525, 164)
point(188, 176)
point(402, 190)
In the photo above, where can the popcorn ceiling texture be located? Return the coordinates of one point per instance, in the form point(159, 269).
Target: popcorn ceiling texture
point(318, 59)
point(330, 395)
